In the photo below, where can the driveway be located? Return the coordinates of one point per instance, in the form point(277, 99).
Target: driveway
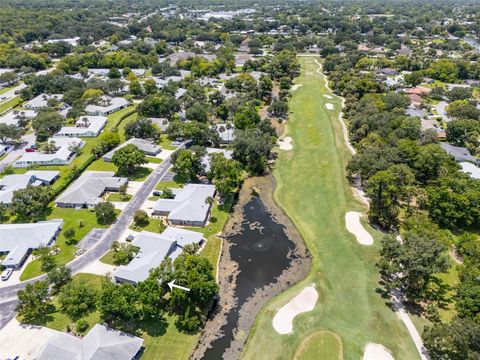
point(28, 140)
point(113, 233)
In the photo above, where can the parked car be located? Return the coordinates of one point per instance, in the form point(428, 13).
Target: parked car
point(79, 252)
point(130, 237)
point(6, 274)
point(29, 150)
point(157, 193)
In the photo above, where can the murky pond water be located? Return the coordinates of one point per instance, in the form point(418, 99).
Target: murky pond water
point(262, 251)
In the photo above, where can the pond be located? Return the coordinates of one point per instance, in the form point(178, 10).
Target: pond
point(262, 251)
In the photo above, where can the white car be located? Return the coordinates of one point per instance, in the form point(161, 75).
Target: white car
point(6, 274)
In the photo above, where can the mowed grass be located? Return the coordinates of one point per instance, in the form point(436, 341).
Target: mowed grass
point(6, 105)
point(320, 345)
point(312, 189)
point(72, 219)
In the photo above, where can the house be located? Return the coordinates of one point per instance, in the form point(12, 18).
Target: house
point(63, 154)
point(419, 90)
point(88, 189)
point(18, 240)
point(15, 116)
point(153, 249)
point(190, 206)
point(225, 131)
point(41, 101)
point(101, 342)
point(206, 159)
point(415, 99)
point(86, 126)
point(179, 56)
point(148, 147)
point(461, 154)
point(11, 183)
point(470, 169)
point(108, 106)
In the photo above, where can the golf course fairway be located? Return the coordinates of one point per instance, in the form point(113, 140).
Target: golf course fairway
point(313, 191)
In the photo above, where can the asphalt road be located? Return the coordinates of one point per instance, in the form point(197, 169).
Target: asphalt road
point(28, 140)
point(8, 294)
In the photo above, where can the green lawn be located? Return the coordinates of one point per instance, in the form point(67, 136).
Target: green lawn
point(154, 225)
point(119, 197)
point(153, 160)
point(6, 105)
point(162, 185)
point(102, 165)
point(55, 319)
point(161, 340)
point(6, 89)
point(313, 191)
point(211, 251)
point(71, 219)
point(108, 258)
point(321, 342)
point(166, 143)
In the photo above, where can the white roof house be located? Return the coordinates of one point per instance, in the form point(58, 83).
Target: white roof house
point(101, 343)
point(11, 183)
point(154, 248)
point(86, 126)
point(87, 190)
point(13, 117)
point(108, 106)
point(206, 160)
point(41, 101)
point(470, 169)
point(225, 132)
point(63, 154)
point(189, 207)
point(148, 147)
point(17, 240)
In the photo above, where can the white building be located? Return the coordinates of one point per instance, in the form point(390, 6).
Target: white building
point(41, 101)
point(108, 106)
point(63, 154)
point(86, 126)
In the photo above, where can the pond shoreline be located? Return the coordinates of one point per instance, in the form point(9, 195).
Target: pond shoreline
point(263, 188)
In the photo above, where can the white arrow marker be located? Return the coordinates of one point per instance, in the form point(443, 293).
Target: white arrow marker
point(172, 284)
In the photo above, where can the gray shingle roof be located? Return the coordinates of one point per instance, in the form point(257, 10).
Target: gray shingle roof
point(101, 343)
point(89, 187)
point(17, 239)
point(189, 204)
point(146, 146)
point(153, 250)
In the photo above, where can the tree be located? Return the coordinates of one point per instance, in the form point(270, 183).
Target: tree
point(458, 340)
point(186, 164)
point(77, 299)
point(140, 218)
point(117, 302)
point(265, 85)
point(31, 202)
point(462, 109)
point(46, 258)
point(105, 212)
point(418, 258)
point(459, 93)
point(46, 124)
point(128, 159)
point(123, 253)
point(226, 174)
point(197, 112)
point(432, 161)
point(394, 100)
point(246, 117)
point(196, 273)
point(92, 95)
point(278, 108)
point(387, 188)
point(158, 106)
point(444, 70)
point(108, 141)
point(9, 78)
point(33, 301)
point(252, 148)
point(10, 133)
point(142, 128)
point(414, 78)
point(464, 133)
point(58, 277)
point(114, 73)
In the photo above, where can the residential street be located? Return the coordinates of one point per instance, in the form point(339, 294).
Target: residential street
point(29, 140)
point(8, 294)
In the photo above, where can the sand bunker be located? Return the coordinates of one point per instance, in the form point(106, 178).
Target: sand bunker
point(329, 106)
point(285, 143)
point(296, 86)
point(328, 96)
point(376, 352)
point(303, 302)
point(352, 221)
